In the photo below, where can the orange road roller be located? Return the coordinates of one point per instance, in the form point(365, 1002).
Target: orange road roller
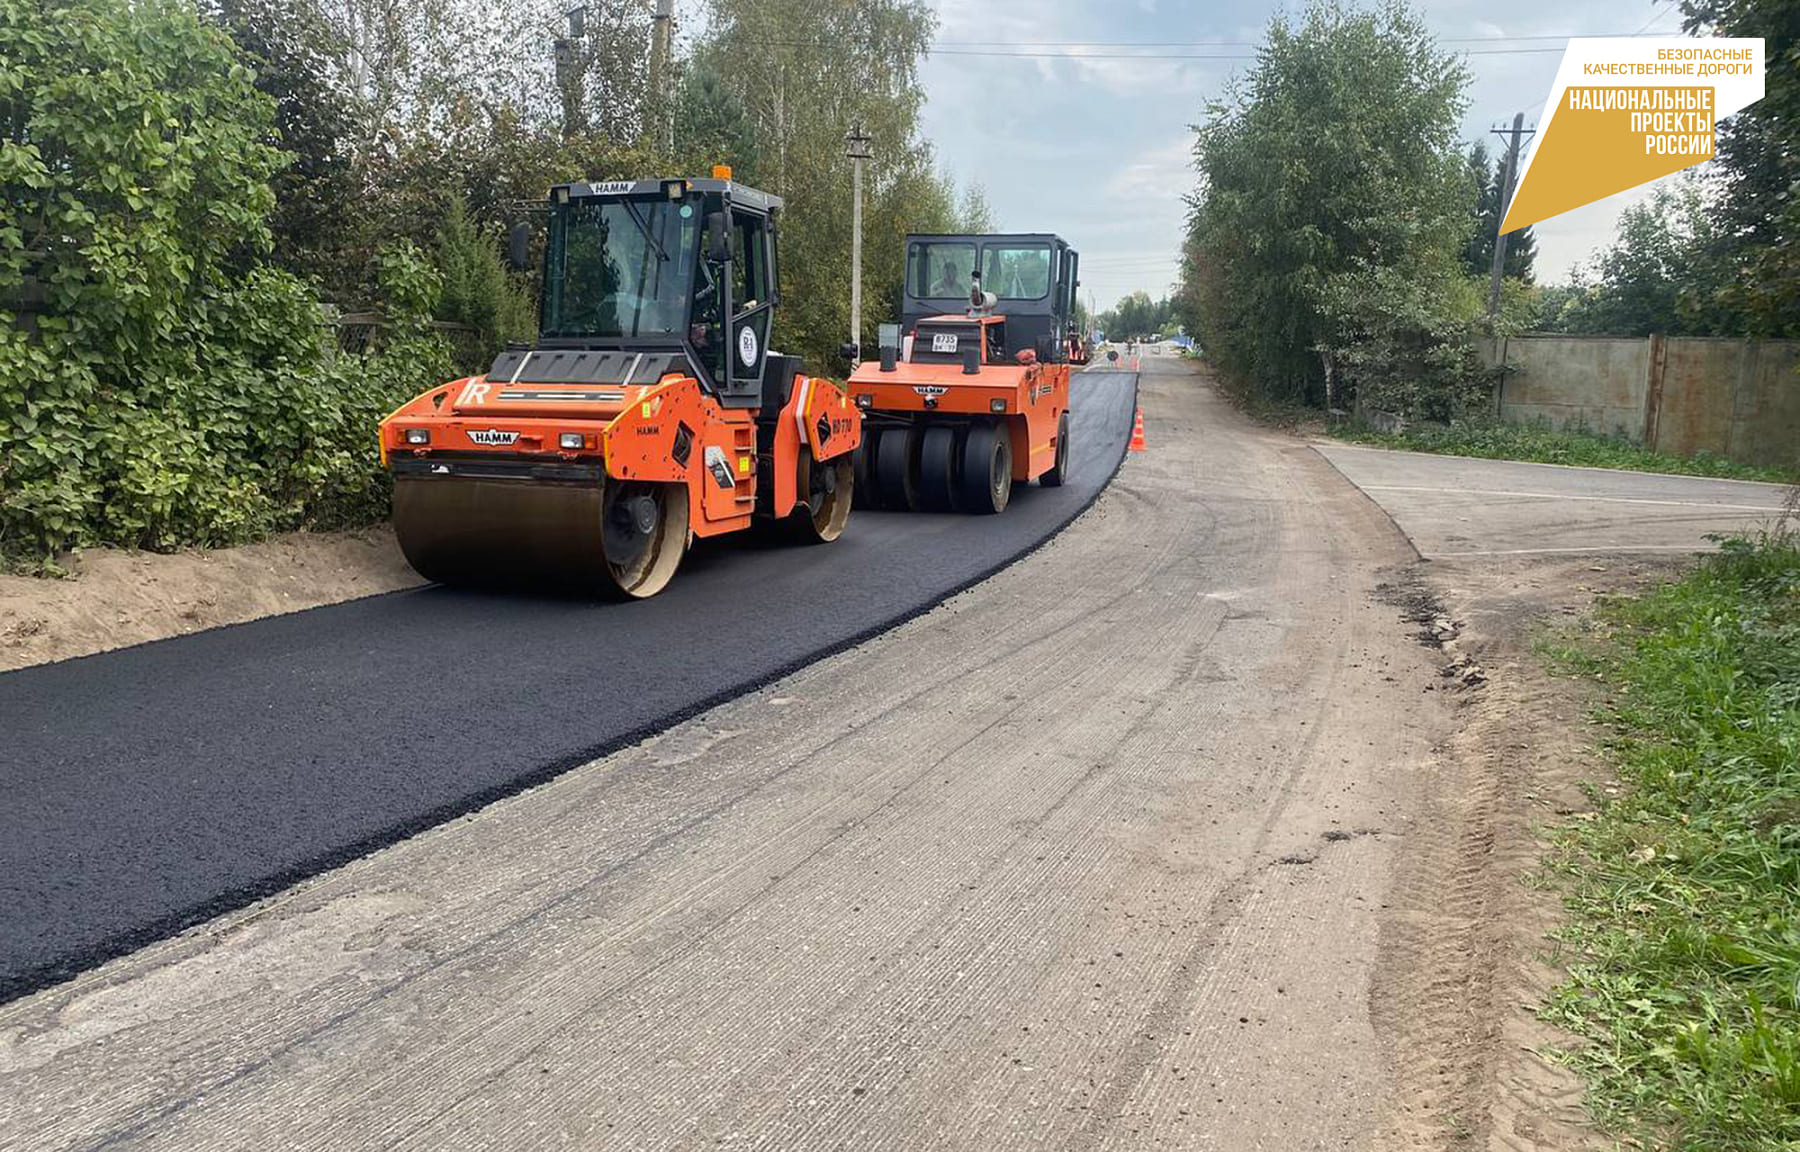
point(649, 412)
point(970, 393)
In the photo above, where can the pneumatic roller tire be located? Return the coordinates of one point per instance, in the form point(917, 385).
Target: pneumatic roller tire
point(937, 469)
point(986, 484)
point(897, 469)
point(868, 494)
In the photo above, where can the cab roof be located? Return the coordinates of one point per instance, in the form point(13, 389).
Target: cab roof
point(737, 193)
point(986, 238)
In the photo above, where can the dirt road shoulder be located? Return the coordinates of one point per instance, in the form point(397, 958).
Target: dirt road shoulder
point(114, 599)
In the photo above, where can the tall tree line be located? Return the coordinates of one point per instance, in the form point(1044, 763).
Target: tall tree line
point(1329, 235)
point(404, 116)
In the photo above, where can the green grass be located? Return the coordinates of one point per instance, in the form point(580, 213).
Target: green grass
point(1683, 942)
point(1546, 445)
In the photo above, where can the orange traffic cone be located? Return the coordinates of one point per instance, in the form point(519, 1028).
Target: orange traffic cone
point(1137, 432)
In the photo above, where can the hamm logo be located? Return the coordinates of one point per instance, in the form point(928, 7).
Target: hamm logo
point(494, 438)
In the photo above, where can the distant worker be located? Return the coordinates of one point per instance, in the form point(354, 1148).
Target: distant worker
point(949, 281)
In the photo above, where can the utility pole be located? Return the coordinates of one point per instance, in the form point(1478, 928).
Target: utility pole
point(571, 64)
point(662, 105)
point(857, 148)
point(1506, 190)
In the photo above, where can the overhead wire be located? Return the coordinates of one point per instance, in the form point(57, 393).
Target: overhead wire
point(1014, 49)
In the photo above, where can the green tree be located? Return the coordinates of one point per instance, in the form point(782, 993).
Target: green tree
point(1666, 271)
point(786, 61)
point(711, 126)
point(972, 211)
point(1758, 198)
point(316, 224)
point(1478, 253)
point(479, 291)
point(1137, 316)
point(1334, 156)
point(1185, 303)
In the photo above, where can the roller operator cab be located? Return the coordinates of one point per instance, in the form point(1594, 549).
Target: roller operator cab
point(649, 412)
point(970, 394)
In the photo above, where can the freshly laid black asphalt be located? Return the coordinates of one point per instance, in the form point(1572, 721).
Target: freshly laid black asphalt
point(144, 790)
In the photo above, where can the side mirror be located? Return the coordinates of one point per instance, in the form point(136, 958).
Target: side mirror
point(518, 247)
point(850, 352)
point(718, 238)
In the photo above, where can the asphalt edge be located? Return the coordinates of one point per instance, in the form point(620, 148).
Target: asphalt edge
point(16, 986)
point(1418, 556)
point(1314, 441)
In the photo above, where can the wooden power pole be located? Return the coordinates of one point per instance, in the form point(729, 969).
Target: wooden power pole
point(1511, 170)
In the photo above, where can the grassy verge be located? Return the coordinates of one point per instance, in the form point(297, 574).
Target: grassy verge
point(1683, 942)
point(1546, 445)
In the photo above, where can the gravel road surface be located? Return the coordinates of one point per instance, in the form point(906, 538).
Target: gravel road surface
point(1094, 855)
point(150, 787)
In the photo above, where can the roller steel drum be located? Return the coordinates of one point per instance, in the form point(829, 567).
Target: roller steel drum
point(612, 538)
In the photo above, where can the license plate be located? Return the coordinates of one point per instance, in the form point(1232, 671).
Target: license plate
point(943, 343)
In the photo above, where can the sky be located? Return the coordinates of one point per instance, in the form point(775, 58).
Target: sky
point(1097, 150)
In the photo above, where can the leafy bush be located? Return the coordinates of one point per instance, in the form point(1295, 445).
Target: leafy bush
point(1401, 338)
point(1684, 941)
point(168, 388)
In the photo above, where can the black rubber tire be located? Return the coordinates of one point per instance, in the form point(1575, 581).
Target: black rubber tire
point(868, 496)
point(937, 469)
point(986, 484)
point(897, 469)
point(1059, 471)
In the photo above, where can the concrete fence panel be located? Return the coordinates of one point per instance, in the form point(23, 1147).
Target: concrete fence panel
point(1679, 394)
point(1766, 418)
point(1593, 382)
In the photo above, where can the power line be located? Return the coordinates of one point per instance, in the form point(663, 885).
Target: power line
point(1009, 49)
point(1655, 16)
point(1181, 55)
point(1251, 43)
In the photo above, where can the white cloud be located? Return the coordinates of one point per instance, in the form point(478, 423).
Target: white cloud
point(1163, 171)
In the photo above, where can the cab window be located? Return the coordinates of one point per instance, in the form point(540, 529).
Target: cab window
point(1016, 271)
point(941, 271)
point(750, 263)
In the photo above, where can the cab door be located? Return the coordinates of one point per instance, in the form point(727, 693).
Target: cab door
point(753, 303)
